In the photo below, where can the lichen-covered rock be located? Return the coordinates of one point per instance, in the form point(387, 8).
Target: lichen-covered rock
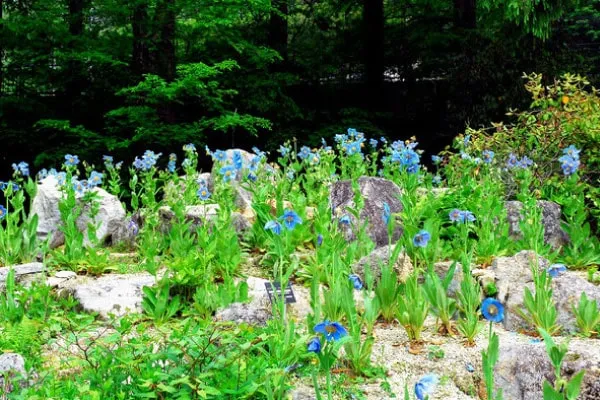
point(375, 192)
point(551, 214)
point(513, 275)
point(381, 257)
point(523, 367)
point(109, 218)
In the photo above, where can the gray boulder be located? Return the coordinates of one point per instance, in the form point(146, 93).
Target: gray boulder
point(108, 294)
point(551, 214)
point(109, 218)
point(375, 192)
point(244, 313)
point(523, 366)
point(11, 364)
point(380, 257)
point(24, 273)
point(513, 275)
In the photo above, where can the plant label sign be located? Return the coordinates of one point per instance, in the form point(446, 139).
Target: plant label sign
point(274, 290)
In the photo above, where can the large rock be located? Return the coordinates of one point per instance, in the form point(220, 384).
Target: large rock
point(108, 294)
point(11, 364)
point(109, 218)
point(199, 214)
point(244, 313)
point(523, 366)
point(551, 214)
point(513, 275)
point(375, 192)
point(381, 257)
point(24, 273)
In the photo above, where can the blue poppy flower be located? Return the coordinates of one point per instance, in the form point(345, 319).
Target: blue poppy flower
point(331, 330)
point(467, 216)
point(319, 239)
point(455, 215)
point(314, 346)
point(21, 168)
point(421, 239)
point(425, 386)
point(108, 160)
point(133, 227)
point(283, 150)
point(572, 151)
point(386, 213)
point(556, 269)
point(228, 172)
point(569, 165)
point(488, 156)
point(373, 143)
point(436, 180)
point(273, 226)
point(71, 160)
point(290, 219)
point(220, 155)
point(95, 179)
point(492, 310)
point(345, 219)
point(238, 160)
point(356, 282)
point(3, 212)
point(304, 152)
point(436, 159)
point(203, 193)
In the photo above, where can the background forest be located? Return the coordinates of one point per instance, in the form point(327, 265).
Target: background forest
point(93, 76)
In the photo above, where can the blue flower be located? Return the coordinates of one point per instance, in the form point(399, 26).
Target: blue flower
point(556, 269)
point(425, 386)
point(283, 150)
point(319, 239)
point(3, 212)
point(252, 177)
point(238, 160)
point(373, 143)
point(492, 310)
point(79, 186)
point(220, 156)
point(108, 160)
point(356, 282)
point(314, 158)
point(436, 180)
point(455, 215)
point(95, 179)
point(352, 148)
point(314, 346)
point(290, 219)
point(21, 168)
point(569, 164)
point(290, 175)
point(386, 213)
point(572, 151)
point(467, 216)
point(421, 239)
point(345, 219)
point(228, 172)
point(133, 227)
point(512, 161)
point(203, 193)
point(488, 156)
point(466, 140)
point(273, 226)
point(147, 161)
point(331, 330)
point(436, 159)
point(304, 152)
point(172, 162)
point(71, 160)
point(190, 147)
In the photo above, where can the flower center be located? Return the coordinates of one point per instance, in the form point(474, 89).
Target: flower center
point(492, 310)
point(330, 329)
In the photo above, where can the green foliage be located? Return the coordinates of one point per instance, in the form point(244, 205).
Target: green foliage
point(587, 316)
point(540, 308)
point(489, 359)
point(442, 306)
point(562, 389)
point(412, 308)
point(12, 309)
point(159, 304)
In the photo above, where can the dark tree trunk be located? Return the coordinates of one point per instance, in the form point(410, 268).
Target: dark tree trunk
point(373, 25)
point(140, 60)
point(278, 28)
point(76, 77)
point(1, 47)
point(164, 58)
point(464, 13)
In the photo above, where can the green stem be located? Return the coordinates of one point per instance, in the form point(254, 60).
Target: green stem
point(316, 385)
point(329, 388)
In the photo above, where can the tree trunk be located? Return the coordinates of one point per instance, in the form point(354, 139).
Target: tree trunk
point(373, 25)
point(464, 13)
point(140, 60)
point(1, 48)
point(75, 79)
point(164, 59)
point(278, 28)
